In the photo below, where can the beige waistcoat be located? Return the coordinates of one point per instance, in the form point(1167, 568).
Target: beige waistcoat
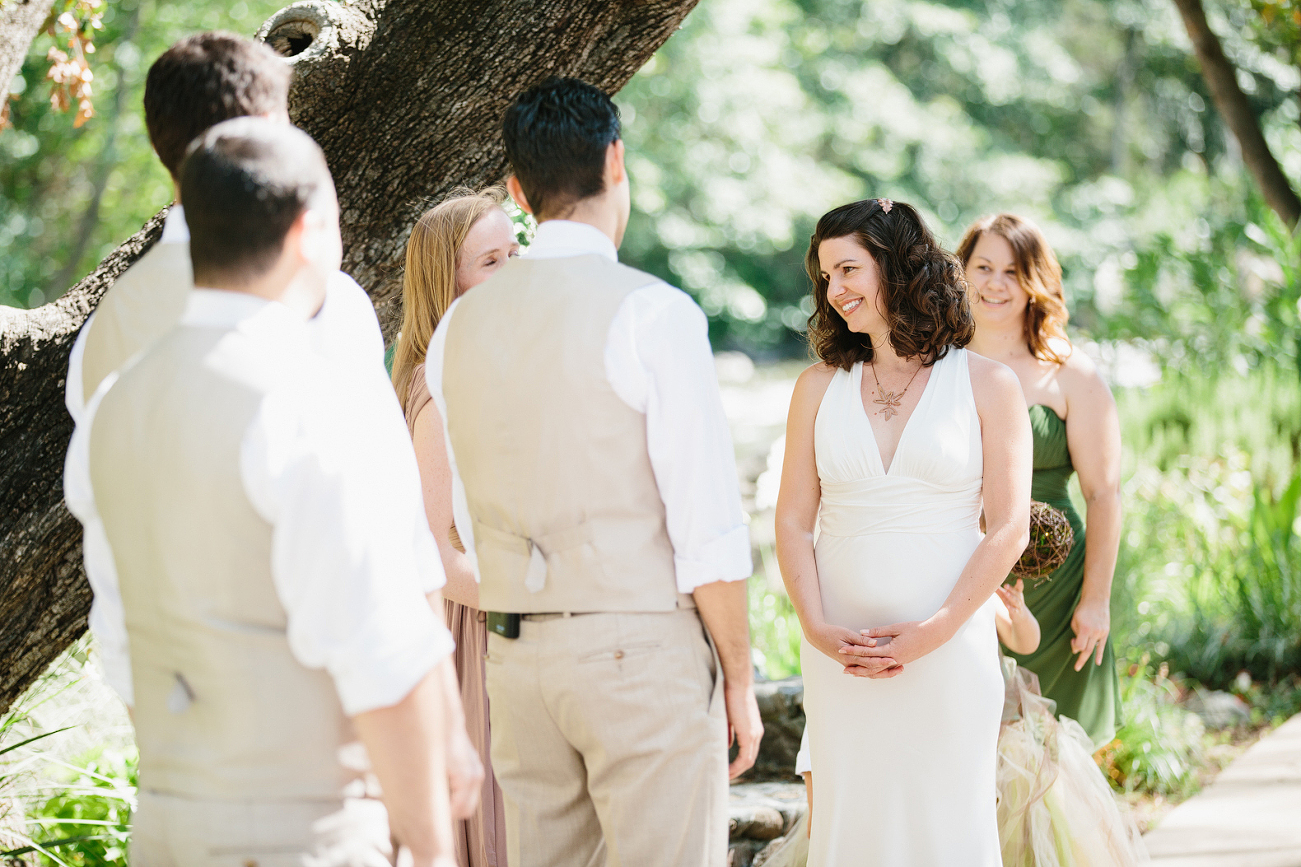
point(142, 305)
point(554, 463)
point(223, 709)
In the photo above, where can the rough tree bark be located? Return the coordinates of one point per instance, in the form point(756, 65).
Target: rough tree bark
point(1233, 105)
point(20, 21)
point(405, 97)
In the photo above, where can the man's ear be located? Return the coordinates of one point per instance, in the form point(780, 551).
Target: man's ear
point(301, 238)
point(517, 193)
point(615, 173)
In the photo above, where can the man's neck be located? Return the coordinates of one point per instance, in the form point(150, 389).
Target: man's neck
point(299, 293)
point(597, 212)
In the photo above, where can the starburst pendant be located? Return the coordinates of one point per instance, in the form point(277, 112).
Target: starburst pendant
point(889, 404)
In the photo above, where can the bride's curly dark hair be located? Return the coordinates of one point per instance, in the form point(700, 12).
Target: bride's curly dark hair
point(927, 300)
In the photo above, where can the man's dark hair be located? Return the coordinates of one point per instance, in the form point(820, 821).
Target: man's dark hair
point(243, 184)
point(556, 136)
point(205, 79)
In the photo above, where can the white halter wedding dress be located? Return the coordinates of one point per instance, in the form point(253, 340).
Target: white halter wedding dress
point(903, 768)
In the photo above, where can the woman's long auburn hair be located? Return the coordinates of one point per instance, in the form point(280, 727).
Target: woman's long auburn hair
point(1038, 273)
point(429, 281)
point(927, 302)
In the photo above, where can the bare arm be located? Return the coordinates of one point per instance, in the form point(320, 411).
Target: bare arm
point(406, 747)
point(436, 485)
point(1093, 437)
point(1017, 627)
point(797, 514)
point(725, 611)
point(464, 769)
point(1007, 449)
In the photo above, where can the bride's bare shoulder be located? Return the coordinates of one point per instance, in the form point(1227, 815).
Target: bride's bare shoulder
point(817, 372)
point(815, 378)
point(811, 386)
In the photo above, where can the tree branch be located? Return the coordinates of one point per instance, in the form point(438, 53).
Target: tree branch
point(20, 21)
point(406, 99)
point(1232, 104)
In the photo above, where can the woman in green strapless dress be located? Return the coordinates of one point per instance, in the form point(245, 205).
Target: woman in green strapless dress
point(1088, 696)
point(1020, 315)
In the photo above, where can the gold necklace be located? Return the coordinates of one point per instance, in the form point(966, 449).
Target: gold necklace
point(889, 400)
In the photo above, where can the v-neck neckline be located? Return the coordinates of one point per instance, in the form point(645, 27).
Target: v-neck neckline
point(876, 446)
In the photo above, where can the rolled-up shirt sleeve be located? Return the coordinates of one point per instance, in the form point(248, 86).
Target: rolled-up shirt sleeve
point(659, 362)
point(333, 471)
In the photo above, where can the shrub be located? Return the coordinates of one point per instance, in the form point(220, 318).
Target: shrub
point(1159, 748)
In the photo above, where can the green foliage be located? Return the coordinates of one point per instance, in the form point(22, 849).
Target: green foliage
point(1278, 28)
point(1159, 749)
point(774, 628)
point(1271, 704)
point(66, 800)
point(87, 821)
point(1090, 117)
point(1244, 604)
point(1210, 566)
point(69, 195)
point(1218, 291)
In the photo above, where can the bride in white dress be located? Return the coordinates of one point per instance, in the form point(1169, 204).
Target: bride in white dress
point(894, 444)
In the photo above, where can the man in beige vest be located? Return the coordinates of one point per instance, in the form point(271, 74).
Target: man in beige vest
point(200, 81)
point(263, 509)
point(594, 481)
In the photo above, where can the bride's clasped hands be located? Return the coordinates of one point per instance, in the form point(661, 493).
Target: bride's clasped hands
point(897, 645)
point(840, 643)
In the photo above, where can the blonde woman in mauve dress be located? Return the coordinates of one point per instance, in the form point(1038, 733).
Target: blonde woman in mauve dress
point(455, 245)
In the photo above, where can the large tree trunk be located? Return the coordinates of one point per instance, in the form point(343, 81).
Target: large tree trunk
point(1234, 107)
point(406, 98)
point(20, 21)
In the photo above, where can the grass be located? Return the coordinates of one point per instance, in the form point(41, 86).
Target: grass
point(67, 770)
point(1160, 746)
point(1209, 578)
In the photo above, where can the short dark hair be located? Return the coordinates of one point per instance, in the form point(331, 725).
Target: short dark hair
point(556, 136)
point(927, 300)
point(243, 184)
point(205, 79)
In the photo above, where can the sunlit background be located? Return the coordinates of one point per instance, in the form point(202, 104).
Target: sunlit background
point(1089, 116)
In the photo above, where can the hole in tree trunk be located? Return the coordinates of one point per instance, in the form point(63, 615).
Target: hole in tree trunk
point(291, 38)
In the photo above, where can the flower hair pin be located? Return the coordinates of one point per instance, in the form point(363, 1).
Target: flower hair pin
point(885, 204)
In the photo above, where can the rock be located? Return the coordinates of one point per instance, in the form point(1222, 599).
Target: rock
point(789, 850)
point(1218, 709)
point(758, 815)
point(741, 853)
point(781, 704)
point(755, 823)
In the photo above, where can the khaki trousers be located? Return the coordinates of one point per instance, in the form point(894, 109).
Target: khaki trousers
point(609, 740)
point(173, 831)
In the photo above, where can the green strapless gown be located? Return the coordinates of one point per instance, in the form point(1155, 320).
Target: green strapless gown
point(1090, 697)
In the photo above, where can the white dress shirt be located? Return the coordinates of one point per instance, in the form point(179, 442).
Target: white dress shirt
point(658, 361)
point(328, 463)
point(344, 329)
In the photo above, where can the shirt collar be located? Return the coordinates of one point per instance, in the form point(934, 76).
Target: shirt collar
point(175, 229)
point(221, 308)
point(559, 238)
